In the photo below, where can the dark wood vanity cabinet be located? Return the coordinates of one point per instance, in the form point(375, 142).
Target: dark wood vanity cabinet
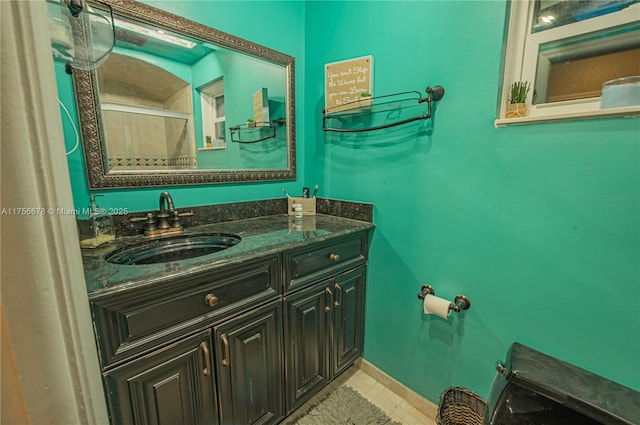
point(324, 333)
point(175, 384)
point(307, 333)
point(172, 385)
point(168, 349)
point(132, 322)
point(249, 367)
point(347, 319)
point(324, 314)
point(242, 344)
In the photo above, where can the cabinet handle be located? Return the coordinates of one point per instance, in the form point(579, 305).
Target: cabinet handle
point(334, 257)
point(211, 300)
point(227, 351)
point(328, 291)
point(337, 303)
point(207, 359)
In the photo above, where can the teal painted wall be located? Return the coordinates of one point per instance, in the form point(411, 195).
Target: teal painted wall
point(537, 224)
point(278, 25)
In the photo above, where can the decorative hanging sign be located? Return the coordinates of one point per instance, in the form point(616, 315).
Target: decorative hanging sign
point(348, 81)
point(261, 107)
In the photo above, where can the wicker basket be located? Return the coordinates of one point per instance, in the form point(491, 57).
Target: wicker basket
point(460, 406)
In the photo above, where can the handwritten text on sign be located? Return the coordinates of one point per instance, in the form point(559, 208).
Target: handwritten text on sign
point(345, 82)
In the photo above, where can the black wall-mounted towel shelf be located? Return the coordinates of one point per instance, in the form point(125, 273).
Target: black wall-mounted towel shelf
point(380, 112)
point(255, 132)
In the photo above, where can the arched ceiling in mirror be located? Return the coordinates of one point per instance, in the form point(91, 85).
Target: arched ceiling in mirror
point(157, 83)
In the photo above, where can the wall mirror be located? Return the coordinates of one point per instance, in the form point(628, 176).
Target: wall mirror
point(163, 108)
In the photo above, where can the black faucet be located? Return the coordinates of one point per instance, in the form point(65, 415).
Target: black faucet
point(167, 219)
point(165, 211)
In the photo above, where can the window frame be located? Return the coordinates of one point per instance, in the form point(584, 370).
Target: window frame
point(208, 96)
point(520, 63)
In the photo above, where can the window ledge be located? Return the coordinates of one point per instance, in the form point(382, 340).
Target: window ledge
point(214, 148)
point(627, 111)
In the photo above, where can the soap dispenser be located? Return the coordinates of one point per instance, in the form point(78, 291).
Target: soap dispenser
point(99, 230)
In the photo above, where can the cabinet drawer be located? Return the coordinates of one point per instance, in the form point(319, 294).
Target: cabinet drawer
point(131, 324)
point(305, 266)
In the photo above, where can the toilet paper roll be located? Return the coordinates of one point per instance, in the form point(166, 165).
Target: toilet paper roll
point(436, 305)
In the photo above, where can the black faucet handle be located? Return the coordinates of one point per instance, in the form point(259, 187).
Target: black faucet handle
point(138, 219)
point(175, 220)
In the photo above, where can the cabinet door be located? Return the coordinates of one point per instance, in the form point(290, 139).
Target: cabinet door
point(249, 367)
point(173, 385)
point(306, 342)
point(348, 318)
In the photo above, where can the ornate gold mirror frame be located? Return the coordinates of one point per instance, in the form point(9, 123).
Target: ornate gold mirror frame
point(90, 116)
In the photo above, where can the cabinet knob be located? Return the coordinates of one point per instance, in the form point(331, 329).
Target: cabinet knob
point(334, 257)
point(211, 300)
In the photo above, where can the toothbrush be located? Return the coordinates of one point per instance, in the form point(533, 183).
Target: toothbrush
point(315, 190)
point(285, 192)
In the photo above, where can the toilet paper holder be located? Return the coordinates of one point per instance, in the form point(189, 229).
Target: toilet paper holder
point(460, 302)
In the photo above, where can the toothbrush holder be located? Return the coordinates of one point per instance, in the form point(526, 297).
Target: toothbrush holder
point(308, 205)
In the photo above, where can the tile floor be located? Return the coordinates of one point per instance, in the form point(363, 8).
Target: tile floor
point(397, 408)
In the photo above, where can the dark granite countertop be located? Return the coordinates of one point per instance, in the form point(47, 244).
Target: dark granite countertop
point(260, 236)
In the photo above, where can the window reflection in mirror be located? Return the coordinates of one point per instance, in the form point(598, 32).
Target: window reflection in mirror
point(213, 115)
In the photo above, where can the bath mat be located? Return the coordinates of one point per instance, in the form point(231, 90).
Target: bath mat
point(344, 406)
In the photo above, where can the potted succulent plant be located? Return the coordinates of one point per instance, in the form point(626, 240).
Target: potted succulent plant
point(365, 101)
point(517, 99)
point(250, 122)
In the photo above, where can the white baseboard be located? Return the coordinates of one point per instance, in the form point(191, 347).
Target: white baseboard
point(416, 400)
